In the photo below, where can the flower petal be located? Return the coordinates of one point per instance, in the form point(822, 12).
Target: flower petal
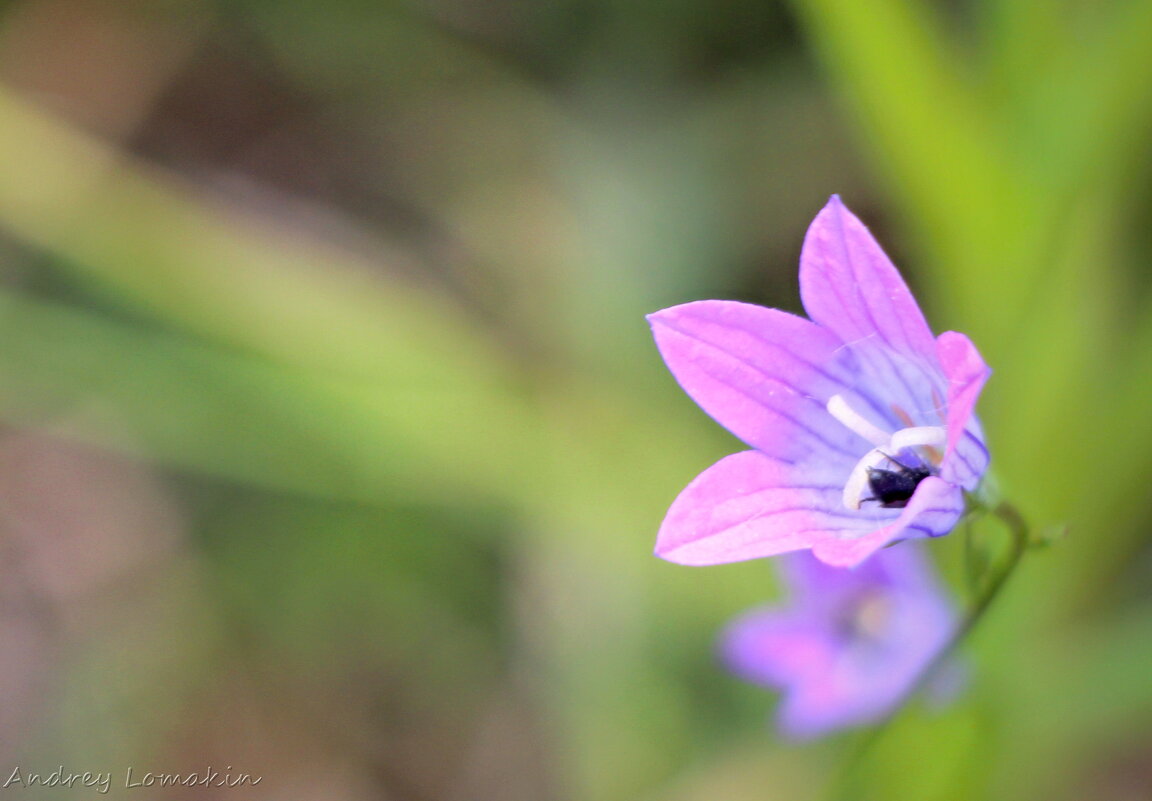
point(849, 286)
point(748, 505)
point(775, 647)
point(900, 382)
point(873, 667)
point(965, 459)
point(933, 511)
point(763, 374)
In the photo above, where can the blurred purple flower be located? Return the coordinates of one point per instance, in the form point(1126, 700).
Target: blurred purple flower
point(850, 644)
point(860, 421)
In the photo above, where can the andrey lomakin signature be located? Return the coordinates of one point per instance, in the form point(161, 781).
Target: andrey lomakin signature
point(101, 781)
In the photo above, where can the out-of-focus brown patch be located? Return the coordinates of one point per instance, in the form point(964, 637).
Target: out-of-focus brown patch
point(79, 518)
point(100, 63)
point(78, 528)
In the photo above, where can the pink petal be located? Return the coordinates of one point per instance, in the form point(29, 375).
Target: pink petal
point(763, 374)
point(833, 675)
point(849, 286)
point(933, 511)
point(966, 373)
point(775, 646)
point(748, 505)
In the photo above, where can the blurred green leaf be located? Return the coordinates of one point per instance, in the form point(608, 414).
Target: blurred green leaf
point(246, 418)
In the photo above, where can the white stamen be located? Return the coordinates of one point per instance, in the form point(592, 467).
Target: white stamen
point(853, 421)
point(918, 437)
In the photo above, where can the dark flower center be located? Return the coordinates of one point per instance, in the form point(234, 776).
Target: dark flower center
point(896, 464)
point(893, 488)
point(865, 617)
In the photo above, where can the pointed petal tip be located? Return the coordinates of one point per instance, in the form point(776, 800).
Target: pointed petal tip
point(669, 312)
point(678, 555)
point(835, 213)
point(666, 547)
point(663, 316)
point(835, 204)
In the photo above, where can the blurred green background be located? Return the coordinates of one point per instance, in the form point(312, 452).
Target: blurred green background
point(334, 442)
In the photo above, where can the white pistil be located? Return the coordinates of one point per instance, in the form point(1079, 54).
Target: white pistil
point(918, 437)
point(853, 421)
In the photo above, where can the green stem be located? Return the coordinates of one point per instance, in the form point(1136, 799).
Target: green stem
point(1018, 528)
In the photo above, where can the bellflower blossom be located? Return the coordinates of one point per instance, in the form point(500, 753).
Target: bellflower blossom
point(850, 644)
point(860, 422)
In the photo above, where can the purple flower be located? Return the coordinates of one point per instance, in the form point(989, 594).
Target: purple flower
point(851, 643)
point(860, 422)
